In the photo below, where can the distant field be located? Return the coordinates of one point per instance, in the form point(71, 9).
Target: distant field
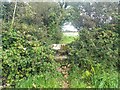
point(70, 33)
point(67, 39)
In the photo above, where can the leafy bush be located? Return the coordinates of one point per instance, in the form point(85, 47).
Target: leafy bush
point(25, 45)
point(20, 59)
point(43, 23)
point(95, 58)
point(98, 46)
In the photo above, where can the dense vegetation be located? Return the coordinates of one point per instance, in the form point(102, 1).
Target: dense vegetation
point(96, 53)
point(29, 29)
point(26, 50)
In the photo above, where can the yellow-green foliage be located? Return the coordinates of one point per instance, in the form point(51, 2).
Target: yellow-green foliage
point(97, 46)
point(21, 58)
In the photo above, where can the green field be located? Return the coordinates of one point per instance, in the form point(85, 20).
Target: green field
point(68, 39)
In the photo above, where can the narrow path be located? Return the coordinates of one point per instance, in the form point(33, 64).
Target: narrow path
point(61, 57)
point(64, 70)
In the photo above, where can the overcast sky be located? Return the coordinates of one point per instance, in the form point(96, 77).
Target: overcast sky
point(68, 27)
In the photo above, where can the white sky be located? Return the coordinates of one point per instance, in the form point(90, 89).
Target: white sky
point(68, 27)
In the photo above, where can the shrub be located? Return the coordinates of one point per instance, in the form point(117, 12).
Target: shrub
point(20, 59)
point(98, 46)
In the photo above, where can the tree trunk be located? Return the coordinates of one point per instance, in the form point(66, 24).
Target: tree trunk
point(13, 18)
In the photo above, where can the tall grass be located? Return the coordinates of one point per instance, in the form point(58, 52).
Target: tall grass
point(75, 78)
point(43, 80)
point(101, 78)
